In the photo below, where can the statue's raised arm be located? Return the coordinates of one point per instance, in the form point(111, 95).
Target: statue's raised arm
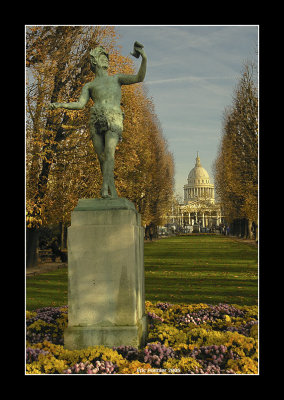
point(138, 51)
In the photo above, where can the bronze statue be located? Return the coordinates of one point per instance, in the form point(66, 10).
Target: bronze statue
point(106, 118)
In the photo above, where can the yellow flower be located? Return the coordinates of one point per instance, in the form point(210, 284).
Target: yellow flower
point(254, 331)
point(33, 368)
point(227, 318)
point(244, 365)
point(182, 366)
point(51, 365)
point(30, 314)
point(138, 368)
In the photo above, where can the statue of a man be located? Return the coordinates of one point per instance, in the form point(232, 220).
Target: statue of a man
point(106, 119)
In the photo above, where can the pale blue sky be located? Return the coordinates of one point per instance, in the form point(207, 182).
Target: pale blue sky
point(191, 75)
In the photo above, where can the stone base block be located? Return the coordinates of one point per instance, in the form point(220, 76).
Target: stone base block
point(79, 337)
point(106, 301)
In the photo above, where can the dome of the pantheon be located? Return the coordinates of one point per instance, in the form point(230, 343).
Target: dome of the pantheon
point(198, 174)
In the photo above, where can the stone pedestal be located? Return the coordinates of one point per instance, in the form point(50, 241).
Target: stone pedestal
point(105, 275)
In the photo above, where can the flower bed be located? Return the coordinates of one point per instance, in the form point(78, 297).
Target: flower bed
point(182, 339)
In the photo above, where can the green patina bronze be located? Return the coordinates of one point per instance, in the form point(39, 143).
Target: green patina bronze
point(106, 118)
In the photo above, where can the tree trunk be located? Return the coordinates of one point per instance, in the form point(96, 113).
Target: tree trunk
point(245, 228)
point(32, 235)
point(237, 225)
point(250, 234)
point(256, 233)
point(63, 235)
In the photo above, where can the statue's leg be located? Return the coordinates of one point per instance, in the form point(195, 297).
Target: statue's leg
point(111, 140)
point(99, 146)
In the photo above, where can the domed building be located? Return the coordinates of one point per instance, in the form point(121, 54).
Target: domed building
point(198, 184)
point(199, 212)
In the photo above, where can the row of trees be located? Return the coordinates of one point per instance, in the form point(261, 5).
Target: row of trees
point(61, 165)
point(236, 166)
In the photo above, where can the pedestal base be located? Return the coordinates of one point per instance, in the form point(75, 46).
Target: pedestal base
point(106, 302)
point(79, 337)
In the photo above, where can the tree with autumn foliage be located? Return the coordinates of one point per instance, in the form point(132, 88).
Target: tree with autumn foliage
point(61, 165)
point(144, 165)
point(236, 167)
point(57, 66)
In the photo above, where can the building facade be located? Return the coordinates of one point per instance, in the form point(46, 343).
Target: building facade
point(199, 207)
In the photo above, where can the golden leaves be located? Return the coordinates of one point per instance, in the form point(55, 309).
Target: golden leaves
point(59, 150)
point(236, 166)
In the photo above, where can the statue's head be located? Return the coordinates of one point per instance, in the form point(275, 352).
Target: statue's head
point(99, 57)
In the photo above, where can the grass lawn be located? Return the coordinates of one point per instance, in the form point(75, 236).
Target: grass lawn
point(47, 290)
point(201, 269)
point(182, 269)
